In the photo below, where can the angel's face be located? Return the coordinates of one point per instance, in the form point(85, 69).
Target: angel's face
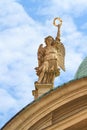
point(48, 41)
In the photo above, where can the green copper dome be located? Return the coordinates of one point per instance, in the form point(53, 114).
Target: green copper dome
point(82, 70)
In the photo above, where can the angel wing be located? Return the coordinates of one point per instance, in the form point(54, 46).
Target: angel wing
point(40, 55)
point(61, 55)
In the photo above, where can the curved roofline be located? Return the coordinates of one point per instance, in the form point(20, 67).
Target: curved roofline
point(64, 86)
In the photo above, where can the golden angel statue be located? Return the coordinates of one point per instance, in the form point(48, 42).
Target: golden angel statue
point(50, 58)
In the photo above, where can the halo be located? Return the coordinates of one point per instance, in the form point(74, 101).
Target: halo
point(54, 21)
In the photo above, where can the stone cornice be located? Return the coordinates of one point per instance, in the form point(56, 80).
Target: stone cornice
point(47, 104)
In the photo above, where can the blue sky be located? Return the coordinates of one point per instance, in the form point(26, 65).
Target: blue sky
point(23, 26)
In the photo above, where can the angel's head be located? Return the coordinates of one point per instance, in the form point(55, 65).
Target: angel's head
point(49, 40)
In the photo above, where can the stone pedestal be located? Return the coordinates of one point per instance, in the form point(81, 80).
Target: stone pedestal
point(40, 89)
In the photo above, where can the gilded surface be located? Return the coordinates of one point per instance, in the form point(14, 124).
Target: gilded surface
point(50, 58)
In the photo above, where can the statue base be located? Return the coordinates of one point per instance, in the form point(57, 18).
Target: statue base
point(41, 89)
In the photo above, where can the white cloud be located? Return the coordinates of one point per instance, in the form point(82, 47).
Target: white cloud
point(12, 14)
point(6, 101)
point(8, 106)
point(58, 7)
point(19, 39)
